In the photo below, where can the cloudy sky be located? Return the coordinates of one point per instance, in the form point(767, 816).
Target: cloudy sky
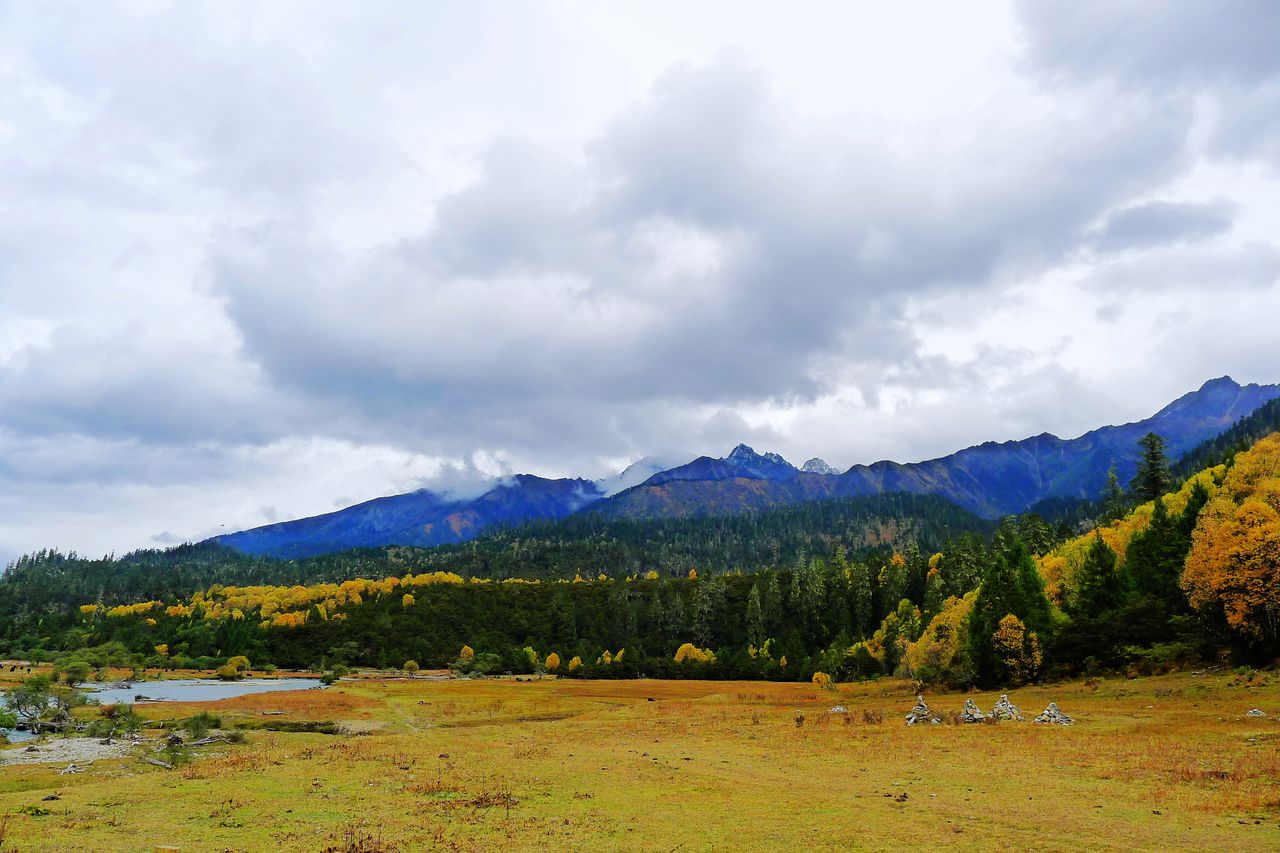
point(260, 260)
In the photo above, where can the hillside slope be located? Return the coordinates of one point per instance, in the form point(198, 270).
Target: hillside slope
point(991, 479)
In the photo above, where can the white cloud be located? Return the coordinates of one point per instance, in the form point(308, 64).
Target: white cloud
point(260, 260)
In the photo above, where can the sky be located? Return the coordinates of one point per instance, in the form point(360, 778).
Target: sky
point(262, 260)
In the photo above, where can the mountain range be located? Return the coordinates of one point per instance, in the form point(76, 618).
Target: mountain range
point(991, 479)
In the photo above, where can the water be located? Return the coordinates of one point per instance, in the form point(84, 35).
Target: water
point(17, 735)
point(194, 689)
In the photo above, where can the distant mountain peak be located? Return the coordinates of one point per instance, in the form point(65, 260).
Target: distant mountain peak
point(1220, 382)
point(746, 455)
point(818, 465)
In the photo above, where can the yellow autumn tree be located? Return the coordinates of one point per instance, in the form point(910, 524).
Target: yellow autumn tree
point(1018, 648)
point(693, 574)
point(553, 662)
point(1234, 560)
point(407, 600)
point(1060, 568)
point(466, 654)
point(575, 664)
point(930, 658)
point(651, 575)
point(690, 652)
point(823, 681)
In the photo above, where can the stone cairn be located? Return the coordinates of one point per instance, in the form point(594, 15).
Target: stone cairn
point(921, 714)
point(1054, 715)
point(1006, 710)
point(971, 714)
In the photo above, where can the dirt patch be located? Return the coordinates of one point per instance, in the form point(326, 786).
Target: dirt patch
point(72, 750)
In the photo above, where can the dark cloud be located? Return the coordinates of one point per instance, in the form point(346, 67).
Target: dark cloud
point(1159, 223)
point(1225, 51)
point(709, 249)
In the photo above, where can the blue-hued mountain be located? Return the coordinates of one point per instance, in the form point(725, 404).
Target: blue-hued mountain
point(421, 518)
point(991, 479)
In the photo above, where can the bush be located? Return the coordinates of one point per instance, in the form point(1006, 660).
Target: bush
point(198, 725)
point(227, 672)
point(411, 667)
point(240, 662)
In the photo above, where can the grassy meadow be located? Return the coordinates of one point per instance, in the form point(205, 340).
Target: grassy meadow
point(1155, 763)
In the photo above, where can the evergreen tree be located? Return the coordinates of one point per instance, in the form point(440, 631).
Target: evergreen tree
point(1113, 496)
point(1153, 478)
point(1101, 587)
point(772, 604)
point(1010, 585)
point(861, 599)
point(1154, 558)
point(755, 618)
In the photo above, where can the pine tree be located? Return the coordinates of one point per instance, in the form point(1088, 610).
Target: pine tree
point(1010, 585)
point(755, 618)
point(862, 596)
point(1153, 478)
point(1153, 560)
point(1113, 497)
point(1101, 587)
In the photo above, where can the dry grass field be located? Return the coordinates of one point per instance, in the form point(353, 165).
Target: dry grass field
point(1153, 764)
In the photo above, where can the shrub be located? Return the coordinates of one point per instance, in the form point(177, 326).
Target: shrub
point(198, 726)
point(239, 662)
point(823, 681)
point(553, 662)
point(575, 664)
point(411, 667)
point(227, 672)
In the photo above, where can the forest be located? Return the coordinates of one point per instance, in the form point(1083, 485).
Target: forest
point(1170, 570)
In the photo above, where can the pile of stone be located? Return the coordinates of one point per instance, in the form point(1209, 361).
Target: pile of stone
point(1053, 714)
point(971, 714)
point(1006, 710)
point(921, 714)
point(1256, 712)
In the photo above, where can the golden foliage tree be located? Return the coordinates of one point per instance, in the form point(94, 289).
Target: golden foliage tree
point(1061, 567)
point(690, 652)
point(1017, 648)
point(407, 600)
point(823, 681)
point(931, 657)
point(1235, 550)
point(466, 654)
point(575, 664)
point(553, 662)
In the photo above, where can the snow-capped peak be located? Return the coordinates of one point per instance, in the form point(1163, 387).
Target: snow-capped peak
point(817, 465)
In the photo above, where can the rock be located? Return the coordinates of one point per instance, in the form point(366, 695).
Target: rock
point(1054, 715)
point(1006, 710)
point(921, 714)
point(175, 739)
point(1256, 712)
point(839, 709)
point(70, 768)
point(971, 714)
